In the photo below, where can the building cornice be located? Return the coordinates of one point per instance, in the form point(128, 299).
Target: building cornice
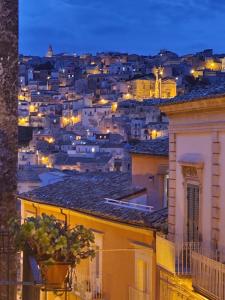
point(198, 105)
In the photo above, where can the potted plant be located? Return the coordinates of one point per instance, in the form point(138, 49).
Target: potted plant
point(55, 247)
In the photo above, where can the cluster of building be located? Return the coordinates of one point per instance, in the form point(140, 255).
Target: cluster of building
point(145, 173)
point(84, 112)
point(171, 247)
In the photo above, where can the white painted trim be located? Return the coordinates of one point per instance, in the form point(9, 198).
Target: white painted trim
point(93, 270)
point(145, 254)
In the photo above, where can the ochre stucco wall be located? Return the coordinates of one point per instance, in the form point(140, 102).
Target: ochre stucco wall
point(144, 166)
point(119, 242)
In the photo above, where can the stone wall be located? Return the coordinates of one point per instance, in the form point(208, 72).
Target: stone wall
point(8, 132)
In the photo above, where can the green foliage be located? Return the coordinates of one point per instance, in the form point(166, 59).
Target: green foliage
point(48, 240)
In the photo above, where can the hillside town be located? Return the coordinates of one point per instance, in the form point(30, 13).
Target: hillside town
point(133, 148)
point(112, 164)
point(85, 113)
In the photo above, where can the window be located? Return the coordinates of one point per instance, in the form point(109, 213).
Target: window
point(96, 264)
point(166, 190)
point(143, 269)
point(142, 275)
point(192, 212)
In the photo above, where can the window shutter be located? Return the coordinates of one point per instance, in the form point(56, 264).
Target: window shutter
point(192, 213)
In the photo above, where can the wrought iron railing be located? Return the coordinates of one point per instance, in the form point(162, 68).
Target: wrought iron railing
point(208, 276)
point(179, 255)
point(183, 257)
point(87, 287)
point(205, 265)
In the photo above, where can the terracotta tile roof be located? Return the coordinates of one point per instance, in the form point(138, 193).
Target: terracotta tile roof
point(158, 147)
point(64, 159)
point(198, 94)
point(86, 193)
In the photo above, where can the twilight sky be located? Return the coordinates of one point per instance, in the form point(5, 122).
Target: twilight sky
point(134, 26)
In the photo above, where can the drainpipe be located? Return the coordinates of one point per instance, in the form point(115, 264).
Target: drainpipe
point(65, 215)
point(36, 210)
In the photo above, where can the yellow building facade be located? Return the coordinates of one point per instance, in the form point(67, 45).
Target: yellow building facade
point(143, 88)
point(125, 262)
point(150, 88)
point(169, 88)
point(124, 256)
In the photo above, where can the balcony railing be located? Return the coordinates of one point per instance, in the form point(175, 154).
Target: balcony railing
point(205, 265)
point(183, 259)
point(178, 258)
point(208, 276)
point(130, 205)
point(171, 288)
point(87, 287)
point(135, 294)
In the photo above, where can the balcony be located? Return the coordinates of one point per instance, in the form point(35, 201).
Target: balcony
point(203, 265)
point(178, 258)
point(208, 276)
point(87, 288)
point(135, 294)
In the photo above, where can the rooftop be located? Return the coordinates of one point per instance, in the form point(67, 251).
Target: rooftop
point(86, 193)
point(158, 147)
point(34, 173)
point(64, 159)
point(30, 174)
point(198, 94)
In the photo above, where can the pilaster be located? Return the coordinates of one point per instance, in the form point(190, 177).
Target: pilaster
point(215, 196)
point(172, 186)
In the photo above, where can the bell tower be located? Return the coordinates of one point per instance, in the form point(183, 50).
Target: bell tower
point(50, 53)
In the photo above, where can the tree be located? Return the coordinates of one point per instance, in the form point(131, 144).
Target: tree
point(8, 134)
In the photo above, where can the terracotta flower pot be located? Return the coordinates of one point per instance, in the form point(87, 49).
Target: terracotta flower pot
point(54, 275)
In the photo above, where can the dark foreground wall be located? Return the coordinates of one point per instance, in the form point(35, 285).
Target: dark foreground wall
point(8, 133)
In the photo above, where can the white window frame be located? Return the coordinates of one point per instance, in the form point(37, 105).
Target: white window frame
point(92, 269)
point(145, 253)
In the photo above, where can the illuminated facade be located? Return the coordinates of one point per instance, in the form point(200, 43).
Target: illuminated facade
point(153, 88)
point(143, 88)
point(124, 266)
point(194, 247)
point(169, 88)
point(213, 64)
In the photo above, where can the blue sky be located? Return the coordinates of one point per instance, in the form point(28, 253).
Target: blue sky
point(134, 26)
